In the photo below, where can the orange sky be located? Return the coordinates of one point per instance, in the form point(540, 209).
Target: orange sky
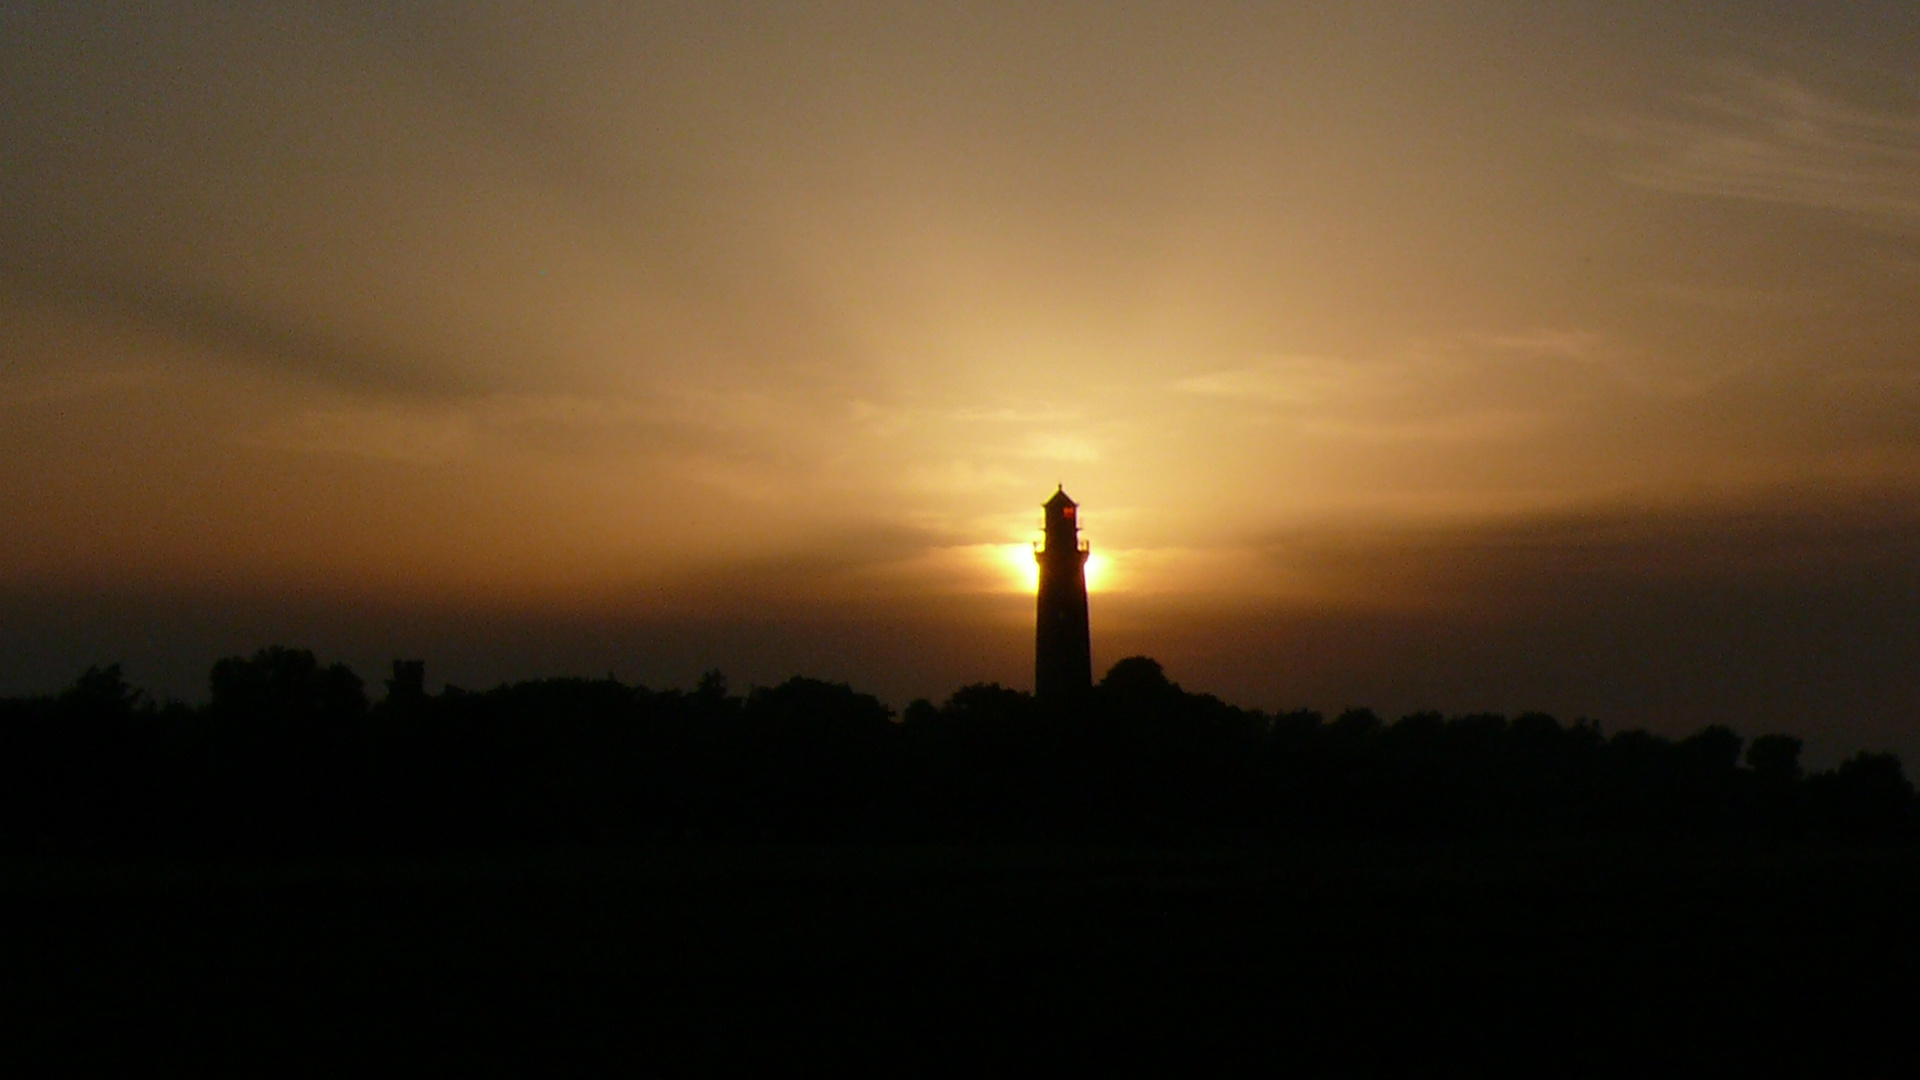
point(1463, 356)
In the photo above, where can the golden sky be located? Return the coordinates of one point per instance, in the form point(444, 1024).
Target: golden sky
point(1467, 355)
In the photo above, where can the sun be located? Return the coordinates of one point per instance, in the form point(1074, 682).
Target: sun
point(1024, 572)
point(1097, 567)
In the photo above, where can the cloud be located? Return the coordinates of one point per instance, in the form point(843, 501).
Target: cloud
point(44, 387)
point(1788, 609)
point(1282, 380)
point(1008, 414)
point(1465, 389)
point(255, 331)
point(1771, 139)
point(876, 565)
point(1480, 425)
point(1062, 448)
point(727, 436)
point(385, 431)
point(1549, 343)
point(1780, 536)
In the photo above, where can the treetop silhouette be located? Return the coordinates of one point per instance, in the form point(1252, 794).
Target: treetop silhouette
point(289, 757)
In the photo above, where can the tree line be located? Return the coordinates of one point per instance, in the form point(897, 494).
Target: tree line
point(292, 758)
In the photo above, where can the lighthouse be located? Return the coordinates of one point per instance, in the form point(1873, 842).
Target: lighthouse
point(1062, 649)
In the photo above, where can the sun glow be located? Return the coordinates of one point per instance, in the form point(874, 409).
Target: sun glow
point(1024, 571)
point(1097, 566)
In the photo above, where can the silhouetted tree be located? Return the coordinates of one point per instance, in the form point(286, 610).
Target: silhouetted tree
point(832, 709)
point(103, 691)
point(1775, 759)
point(286, 759)
point(407, 687)
point(1868, 795)
point(1137, 678)
point(986, 703)
point(285, 682)
point(1713, 750)
point(1354, 730)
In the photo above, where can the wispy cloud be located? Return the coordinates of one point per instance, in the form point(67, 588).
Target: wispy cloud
point(238, 326)
point(1549, 344)
point(382, 431)
point(1282, 380)
point(704, 432)
point(1771, 139)
point(1466, 389)
point(1483, 425)
point(46, 387)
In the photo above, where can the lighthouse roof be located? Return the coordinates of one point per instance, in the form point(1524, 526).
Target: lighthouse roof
point(1059, 500)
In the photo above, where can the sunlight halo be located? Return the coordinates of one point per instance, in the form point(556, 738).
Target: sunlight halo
point(1023, 573)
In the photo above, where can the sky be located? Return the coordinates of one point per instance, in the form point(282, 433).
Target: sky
point(1466, 356)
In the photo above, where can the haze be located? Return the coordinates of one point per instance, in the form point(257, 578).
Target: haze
point(1467, 356)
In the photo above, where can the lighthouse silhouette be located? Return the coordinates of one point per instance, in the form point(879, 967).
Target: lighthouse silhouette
point(1062, 649)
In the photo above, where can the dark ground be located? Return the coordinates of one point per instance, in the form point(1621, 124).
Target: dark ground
point(1593, 957)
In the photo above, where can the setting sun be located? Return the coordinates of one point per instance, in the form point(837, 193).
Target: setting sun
point(1023, 572)
point(1096, 571)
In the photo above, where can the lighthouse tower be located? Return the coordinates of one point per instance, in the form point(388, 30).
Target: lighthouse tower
point(1062, 650)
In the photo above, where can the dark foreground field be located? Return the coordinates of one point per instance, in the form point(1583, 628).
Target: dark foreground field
point(1593, 957)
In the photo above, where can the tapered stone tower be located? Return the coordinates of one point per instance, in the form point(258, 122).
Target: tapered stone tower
point(1062, 649)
